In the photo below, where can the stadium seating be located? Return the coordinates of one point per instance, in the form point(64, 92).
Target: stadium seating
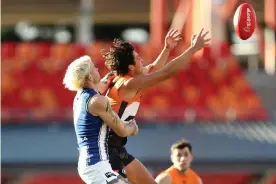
point(209, 88)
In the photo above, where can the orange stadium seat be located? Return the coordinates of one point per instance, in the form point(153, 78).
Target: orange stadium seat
point(20, 58)
point(160, 102)
point(25, 54)
point(60, 56)
point(94, 50)
point(8, 84)
point(217, 74)
point(169, 86)
point(43, 50)
point(7, 50)
point(191, 95)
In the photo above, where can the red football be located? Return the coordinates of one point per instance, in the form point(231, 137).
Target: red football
point(245, 21)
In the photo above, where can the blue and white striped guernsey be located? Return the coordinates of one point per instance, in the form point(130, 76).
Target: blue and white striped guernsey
point(91, 132)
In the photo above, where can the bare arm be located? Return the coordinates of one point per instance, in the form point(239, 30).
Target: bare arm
point(159, 62)
point(105, 82)
point(163, 178)
point(99, 106)
point(145, 81)
point(171, 40)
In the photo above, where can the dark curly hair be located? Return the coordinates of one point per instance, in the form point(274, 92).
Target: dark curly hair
point(119, 57)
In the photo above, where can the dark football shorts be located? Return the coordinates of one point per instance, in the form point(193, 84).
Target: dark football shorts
point(119, 158)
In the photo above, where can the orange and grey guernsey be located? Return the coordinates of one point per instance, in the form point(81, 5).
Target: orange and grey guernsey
point(178, 178)
point(126, 109)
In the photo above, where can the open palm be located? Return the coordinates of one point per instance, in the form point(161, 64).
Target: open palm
point(199, 41)
point(172, 39)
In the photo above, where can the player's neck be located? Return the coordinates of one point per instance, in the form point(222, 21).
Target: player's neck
point(131, 73)
point(182, 172)
point(92, 86)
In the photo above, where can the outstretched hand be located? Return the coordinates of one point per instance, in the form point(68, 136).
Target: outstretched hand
point(200, 41)
point(172, 39)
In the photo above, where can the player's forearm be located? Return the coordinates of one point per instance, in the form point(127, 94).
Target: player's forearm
point(179, 62)
point(104, 83)
point(129, 129)
point(161, 59)
point(102, 88)
point(123, 128)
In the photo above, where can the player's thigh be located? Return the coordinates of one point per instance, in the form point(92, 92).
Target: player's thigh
point(138, 174)
point(100, 173)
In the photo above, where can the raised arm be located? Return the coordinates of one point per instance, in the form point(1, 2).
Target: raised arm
point(144, 81)
point(105, 82)
point(99, 106)
point(171, 40)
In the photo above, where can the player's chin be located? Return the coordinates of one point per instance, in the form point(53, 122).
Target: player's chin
point(99, 77)
point(184, 166)
point(98, 80)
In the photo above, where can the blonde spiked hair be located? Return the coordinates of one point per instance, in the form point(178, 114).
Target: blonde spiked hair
point(76, 73)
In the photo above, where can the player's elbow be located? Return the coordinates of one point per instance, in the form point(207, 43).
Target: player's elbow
point(156, 67)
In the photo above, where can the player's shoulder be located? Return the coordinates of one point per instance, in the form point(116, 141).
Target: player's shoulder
point(127, 87)
point(98, 101)
point(126, 79)
point(196, 176)
point(164, 178)
point(120, 82)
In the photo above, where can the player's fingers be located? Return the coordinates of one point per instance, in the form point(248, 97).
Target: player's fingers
point(203, 36)
point(170, 32)
point(178, 38)
point(176, 35)
point(207, 44)
point(200, 33)
point(207, 40)
point(193, 36)
point(176, 32)
point(173, 32)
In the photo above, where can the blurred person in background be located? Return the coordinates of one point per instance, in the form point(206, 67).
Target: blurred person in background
point(126, 89)
point(180, 171)
point(93, 116)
